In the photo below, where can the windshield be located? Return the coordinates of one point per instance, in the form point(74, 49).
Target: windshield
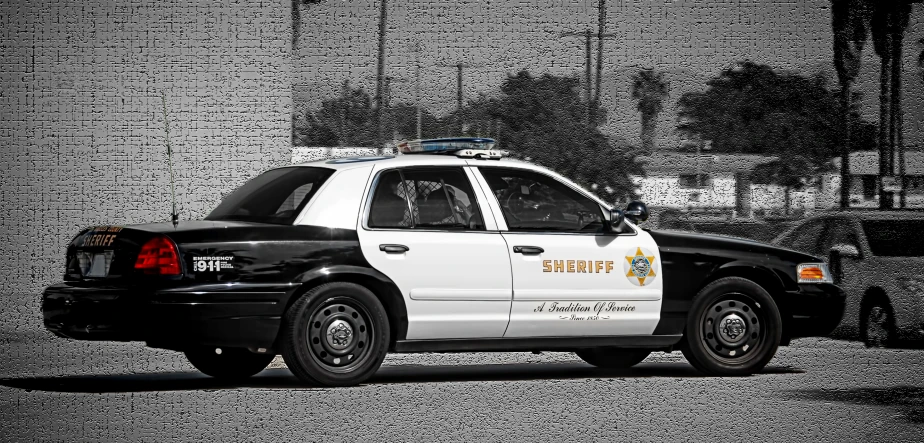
point(895, 238)
point(276, 196)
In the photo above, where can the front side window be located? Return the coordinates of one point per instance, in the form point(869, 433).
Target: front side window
point(805, 237)
point(276, 196)
point(531, 201)
point(424, 198)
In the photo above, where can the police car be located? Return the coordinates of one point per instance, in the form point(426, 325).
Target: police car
point(446, 247)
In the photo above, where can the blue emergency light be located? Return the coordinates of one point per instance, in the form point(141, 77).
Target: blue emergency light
point(441, 145)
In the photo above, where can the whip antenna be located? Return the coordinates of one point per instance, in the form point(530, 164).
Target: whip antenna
point(174, 215)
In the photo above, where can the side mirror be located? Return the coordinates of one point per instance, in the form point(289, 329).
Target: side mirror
point(616, 219)
point(845, 250)
point(637, 212)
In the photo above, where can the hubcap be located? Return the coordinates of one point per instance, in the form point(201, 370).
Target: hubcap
point(339, 336)
point(732, 327)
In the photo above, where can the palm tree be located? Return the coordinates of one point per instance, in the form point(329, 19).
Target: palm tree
point(888, 23)
point(650, 89)
point(849, 26)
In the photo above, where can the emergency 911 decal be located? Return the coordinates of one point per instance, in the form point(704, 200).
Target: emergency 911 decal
point(640, 267)
point(212, 264)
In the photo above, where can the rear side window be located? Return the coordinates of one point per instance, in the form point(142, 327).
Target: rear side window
point(424, 198)
point(276, 196)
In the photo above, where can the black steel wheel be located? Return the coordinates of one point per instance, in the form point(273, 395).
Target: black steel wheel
point(228, 363)
point(335, 335)
point(877, 323)
point(733, 328)
point(613, 358)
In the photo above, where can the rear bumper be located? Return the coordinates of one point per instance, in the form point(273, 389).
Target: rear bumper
point(813, 311)
point(173, 319)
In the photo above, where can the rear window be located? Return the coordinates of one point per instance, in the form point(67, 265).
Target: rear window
point(276, 196)
point(895, 238)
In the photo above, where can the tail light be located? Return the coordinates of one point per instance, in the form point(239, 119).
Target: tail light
point(159, 257)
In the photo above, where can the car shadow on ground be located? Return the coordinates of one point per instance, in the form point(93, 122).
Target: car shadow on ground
point(908, 400)
point(399, 374)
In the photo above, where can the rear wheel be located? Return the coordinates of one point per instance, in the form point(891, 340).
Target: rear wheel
point(228, 363)
point(877, 323)
point(335, 335)
point(733, 328)
point(613, 358)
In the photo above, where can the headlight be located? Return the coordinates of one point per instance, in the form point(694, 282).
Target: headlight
point(813, 273)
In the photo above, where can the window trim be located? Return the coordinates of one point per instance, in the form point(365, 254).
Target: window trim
point(507, 229)
point(370, 194)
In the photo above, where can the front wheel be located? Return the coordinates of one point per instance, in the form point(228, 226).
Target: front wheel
point(613, 358)
point(336, 334)
point(228, 363)
point(733, 328)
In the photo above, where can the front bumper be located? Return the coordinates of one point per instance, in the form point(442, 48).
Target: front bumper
point(812, 311)
point(165, 318)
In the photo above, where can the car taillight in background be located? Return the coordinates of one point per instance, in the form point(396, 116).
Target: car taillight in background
point(158, 257)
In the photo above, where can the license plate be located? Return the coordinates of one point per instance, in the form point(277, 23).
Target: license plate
point(95, 264)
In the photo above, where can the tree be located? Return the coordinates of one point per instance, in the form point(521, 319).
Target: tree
point(543, 119)
point(849, 24)
point(346, 120)
point(752, 109)
point(650, 89)
point(349, 120)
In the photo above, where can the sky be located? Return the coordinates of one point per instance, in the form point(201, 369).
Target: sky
point(690, 40)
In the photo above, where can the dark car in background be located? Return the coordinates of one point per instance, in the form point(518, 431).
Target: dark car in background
point(877, 258)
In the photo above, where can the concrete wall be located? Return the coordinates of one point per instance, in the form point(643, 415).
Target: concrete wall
point(81, 123)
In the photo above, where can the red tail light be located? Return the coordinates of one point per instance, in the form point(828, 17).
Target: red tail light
point(158, 256)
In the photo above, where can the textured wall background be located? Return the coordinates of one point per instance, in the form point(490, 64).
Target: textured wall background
point(81, 123)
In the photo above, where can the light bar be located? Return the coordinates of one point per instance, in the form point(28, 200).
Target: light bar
point(441, 145)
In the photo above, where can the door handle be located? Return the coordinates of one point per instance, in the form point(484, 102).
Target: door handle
point(394, 249)
point(528, 250)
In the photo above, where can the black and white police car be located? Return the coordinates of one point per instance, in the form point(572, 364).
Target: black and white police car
point(446, 248)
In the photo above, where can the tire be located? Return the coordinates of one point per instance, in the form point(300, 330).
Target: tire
point(231, 364)
point(733, 328)
point(336, 334)
point(877, 322)
point(613, 358)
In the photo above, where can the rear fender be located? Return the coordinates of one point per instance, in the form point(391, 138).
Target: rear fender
point(380, 285)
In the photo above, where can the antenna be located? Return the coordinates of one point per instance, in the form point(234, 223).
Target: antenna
point(174, 215)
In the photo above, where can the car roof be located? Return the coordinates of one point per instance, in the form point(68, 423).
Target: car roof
point(401, 160)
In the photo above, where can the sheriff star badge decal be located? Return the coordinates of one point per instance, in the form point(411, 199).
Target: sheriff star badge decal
point(640, 266)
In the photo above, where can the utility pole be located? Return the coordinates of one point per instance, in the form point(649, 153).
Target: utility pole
point(417, 90)
point(588, 35)
point(601, 23)
point(380, 74)
point(459, 67)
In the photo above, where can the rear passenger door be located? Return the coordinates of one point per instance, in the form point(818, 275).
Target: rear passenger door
point(424, 227)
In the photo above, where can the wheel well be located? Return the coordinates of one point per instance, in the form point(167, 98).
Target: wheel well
point(766, 280)
point(388, 294)
point(873, 293)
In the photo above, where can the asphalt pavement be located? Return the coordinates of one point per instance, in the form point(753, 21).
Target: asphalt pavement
point(814, 390)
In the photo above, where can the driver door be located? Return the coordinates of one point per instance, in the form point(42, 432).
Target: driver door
point(570, 276)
